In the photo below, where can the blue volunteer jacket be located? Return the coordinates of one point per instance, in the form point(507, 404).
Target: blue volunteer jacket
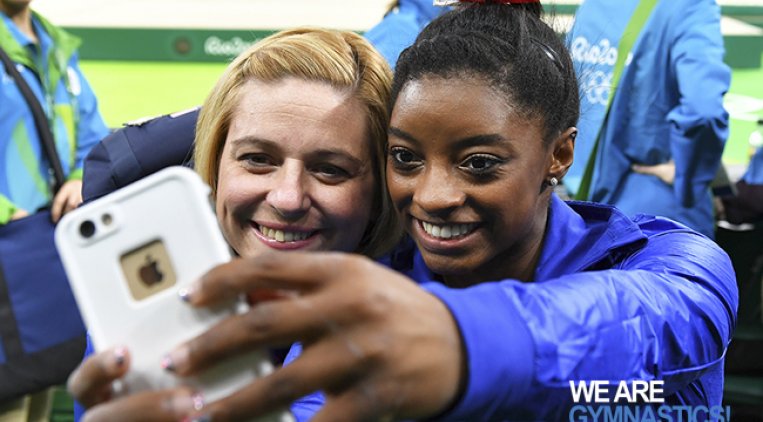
point(400, 27)
point(669, 105)
point(612, 299)
point(51, 70)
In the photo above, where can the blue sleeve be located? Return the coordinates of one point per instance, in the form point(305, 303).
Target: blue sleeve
point(306, 407)
point(393, 34)
point(137, 150)
point(665, 313)
point(699, 122)
point(90, 125)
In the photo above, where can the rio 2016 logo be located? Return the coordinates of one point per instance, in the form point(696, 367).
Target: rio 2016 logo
point(595, 65)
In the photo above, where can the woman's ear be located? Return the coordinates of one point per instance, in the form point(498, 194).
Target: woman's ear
point(563, 151)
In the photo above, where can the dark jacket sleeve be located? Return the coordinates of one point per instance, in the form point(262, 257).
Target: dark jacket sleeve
point(136, 151)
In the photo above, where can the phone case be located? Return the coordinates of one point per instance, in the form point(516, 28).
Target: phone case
point(128, 254)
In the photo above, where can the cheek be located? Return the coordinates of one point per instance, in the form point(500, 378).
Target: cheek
point(400, 188)
point(236, 189)
point(349, 203)
point(517, 214)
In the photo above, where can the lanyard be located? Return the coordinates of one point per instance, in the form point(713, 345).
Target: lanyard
point(632, 31)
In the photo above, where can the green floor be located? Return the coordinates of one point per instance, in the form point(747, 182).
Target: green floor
point(747, 86)
point(131, 90)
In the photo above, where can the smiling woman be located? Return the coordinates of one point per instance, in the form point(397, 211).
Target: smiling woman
point(506, 295)
point(284, 180)
point(457, 153)
point(291, 140)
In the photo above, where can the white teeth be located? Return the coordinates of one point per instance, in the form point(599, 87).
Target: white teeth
point(282, 236)
point(447, 231)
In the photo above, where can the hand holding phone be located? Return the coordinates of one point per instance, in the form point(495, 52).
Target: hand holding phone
point(128, 255)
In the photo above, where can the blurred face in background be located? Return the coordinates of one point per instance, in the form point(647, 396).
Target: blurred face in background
point(13, 6)
point(296, 169)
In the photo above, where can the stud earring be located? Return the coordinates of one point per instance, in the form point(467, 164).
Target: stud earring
point(553, 182)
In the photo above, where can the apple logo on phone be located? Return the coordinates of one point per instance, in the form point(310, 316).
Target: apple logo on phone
point(149, 272)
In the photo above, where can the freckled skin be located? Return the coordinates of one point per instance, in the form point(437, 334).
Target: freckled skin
point(431, 125)
point(297, 155)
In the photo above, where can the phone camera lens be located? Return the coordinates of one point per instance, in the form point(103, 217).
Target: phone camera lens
point(106, 219)
point(87, 229)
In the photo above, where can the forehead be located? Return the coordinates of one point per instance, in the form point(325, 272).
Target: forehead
point(296, 112)
point(461, 107)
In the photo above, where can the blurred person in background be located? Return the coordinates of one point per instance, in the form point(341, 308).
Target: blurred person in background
point(662, 143)
point(46, 58)
point(400, 26)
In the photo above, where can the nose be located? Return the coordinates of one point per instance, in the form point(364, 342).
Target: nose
point(288, 195)
point(437, 193)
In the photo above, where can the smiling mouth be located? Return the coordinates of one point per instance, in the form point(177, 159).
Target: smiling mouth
point(283, 236)
point(447, 231)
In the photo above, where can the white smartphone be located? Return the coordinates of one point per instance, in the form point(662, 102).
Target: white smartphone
point(128, 254)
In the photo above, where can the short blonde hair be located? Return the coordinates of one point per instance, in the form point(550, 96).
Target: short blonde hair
point(342, 59)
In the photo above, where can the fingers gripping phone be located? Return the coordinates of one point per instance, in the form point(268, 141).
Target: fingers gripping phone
point(128, 254)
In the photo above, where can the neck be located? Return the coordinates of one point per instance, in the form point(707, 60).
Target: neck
point(22, 17)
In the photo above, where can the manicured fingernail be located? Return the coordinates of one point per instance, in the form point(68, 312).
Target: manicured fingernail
point(119, 356)
point(167, 364)
point(184, 403)
point(186, 293)
point(176, 359)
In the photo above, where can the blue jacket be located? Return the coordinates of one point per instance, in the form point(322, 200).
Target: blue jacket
point(400, 27)
point(669, 105)
point(612, 299)
point(50, 69)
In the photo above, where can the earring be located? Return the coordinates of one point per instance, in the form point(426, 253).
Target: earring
point(553, 182)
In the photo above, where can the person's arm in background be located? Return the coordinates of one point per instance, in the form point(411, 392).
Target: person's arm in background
point(9, 211)
point(699, 122)
point(90, 130)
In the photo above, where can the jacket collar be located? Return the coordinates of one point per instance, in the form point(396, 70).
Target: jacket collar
point(585, 236)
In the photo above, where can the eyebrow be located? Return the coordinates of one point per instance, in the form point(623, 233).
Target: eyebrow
point(254, 141)
point(472, 141)
point(324, 153)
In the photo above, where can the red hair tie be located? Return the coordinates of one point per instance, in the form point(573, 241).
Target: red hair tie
point(452, 2)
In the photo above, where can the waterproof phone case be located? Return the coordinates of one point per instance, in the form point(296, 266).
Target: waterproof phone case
point(128, 254)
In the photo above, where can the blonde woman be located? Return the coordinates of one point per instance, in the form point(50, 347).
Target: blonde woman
point(291, 139)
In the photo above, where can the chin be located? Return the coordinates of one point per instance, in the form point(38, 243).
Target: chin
point(446, 265)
